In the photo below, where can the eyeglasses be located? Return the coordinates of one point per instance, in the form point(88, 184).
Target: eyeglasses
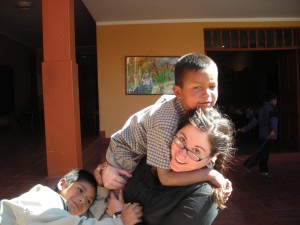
point(190, 153)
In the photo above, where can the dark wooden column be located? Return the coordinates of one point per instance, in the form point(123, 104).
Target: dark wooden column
point(60, 88)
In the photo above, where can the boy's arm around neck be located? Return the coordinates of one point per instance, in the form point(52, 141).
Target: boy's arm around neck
point(171, 178)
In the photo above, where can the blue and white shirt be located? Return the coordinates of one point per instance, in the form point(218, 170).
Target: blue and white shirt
point(147, 132)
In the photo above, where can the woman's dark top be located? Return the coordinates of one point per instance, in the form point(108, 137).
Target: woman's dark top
point(170, 205)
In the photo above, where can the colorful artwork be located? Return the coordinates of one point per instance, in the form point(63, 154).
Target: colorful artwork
point(147, 75)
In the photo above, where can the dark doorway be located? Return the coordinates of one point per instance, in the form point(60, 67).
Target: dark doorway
point(88, 96)
point(244, 79)
point(7, 106)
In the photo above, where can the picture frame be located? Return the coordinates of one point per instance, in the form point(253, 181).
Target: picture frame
point(150, 75)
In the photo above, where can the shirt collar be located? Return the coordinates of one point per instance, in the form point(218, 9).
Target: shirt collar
point(179, 107)
point(64, 202)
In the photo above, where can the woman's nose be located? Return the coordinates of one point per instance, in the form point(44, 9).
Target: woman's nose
point(181, 152)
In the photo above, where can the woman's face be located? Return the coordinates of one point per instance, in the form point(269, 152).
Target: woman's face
point(194, 140)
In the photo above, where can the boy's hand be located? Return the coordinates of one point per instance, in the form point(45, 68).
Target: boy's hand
point(97, 173)
point(112, 178)
point(227, 189)
point(273, 133)
point(132, 214)
point(219, 181)
point(114, 204)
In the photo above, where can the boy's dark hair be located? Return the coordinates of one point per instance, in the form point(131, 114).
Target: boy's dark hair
point(188, 62)
point(76, 175)
point(270, 95)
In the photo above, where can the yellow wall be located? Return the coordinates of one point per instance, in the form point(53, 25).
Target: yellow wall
point(114, 42)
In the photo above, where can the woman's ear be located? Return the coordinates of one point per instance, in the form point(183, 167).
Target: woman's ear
point(61, 185)
point(212, 160)
point(177, 91)
point(215, 156)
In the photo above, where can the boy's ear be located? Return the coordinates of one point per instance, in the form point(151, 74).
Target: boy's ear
point(177, 91)
point(61, 185)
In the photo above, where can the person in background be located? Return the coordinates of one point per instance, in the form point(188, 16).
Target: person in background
point(150, 132)
point(267, 121)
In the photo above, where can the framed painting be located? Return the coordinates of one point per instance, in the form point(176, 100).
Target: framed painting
point(150, 75)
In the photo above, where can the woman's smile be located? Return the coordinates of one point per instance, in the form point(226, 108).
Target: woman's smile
point(179, 161)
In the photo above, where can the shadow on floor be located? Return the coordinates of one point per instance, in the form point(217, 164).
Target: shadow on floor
point(248, 143)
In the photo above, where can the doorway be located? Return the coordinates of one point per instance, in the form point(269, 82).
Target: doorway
point(244, 79)
point(88, 97)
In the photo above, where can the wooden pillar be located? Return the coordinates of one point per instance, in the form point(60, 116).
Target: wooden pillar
point(60, 88)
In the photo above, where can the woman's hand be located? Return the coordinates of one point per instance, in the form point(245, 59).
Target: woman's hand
point(115, 204)
point(132, 214)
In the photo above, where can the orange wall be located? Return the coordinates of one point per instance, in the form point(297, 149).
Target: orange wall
point(114, 42)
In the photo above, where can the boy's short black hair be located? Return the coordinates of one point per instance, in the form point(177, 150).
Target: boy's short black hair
point(188, 62)
point(270, 96)
point(76, 175)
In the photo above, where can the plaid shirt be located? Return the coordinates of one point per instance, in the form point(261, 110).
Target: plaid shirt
point(148, 132)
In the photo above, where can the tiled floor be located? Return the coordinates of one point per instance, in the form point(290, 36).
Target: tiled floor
point(255, 200)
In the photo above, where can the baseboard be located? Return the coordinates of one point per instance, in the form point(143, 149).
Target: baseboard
point(103, 139)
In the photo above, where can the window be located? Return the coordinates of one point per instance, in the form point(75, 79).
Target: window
point(254, 38)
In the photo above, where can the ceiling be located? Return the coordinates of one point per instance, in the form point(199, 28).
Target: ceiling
point(25, 26)
point(112, 11)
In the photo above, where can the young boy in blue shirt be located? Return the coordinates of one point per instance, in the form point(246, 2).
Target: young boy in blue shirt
point(68, 205)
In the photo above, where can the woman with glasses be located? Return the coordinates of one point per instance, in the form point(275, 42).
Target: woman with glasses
point(204, 139)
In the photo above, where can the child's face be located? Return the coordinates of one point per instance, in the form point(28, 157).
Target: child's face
point(200, 88)
point(79, 196)
point(274, 101)
point(196, 141)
